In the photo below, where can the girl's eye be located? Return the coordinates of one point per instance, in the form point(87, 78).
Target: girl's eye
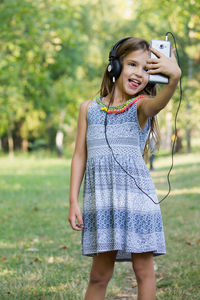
point(145, 69)
point(132, 64)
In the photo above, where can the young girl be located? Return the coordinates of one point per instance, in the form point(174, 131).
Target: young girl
point(121, 220)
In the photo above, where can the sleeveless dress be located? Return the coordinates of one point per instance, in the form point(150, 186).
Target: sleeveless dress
point(117, 215)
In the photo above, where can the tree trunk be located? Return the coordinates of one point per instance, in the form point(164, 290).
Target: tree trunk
point(10, 144)
point(59, 143)
point(188, 139)
point(25, 145)
point(60, 135)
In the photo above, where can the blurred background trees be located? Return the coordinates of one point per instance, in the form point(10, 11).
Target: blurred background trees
point(53, 54)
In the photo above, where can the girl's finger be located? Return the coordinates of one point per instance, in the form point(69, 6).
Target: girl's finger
point(73, 223)
point(173, 57)
point(156, 52)
point(153, 66)
point(173, 50)
point(80, 222)
point(78, 227)
point(154, 71)
point(153, 60)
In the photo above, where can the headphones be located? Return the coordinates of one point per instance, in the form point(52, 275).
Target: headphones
point(115, 67)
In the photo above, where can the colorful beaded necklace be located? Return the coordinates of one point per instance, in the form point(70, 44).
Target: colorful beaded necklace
point(120, 108)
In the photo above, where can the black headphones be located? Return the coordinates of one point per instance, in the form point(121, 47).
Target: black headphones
point(115, 67)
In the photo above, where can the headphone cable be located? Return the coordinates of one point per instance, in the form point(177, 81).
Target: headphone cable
point(105, 123)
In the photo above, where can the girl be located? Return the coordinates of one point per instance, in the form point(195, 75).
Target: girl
point(120, 222)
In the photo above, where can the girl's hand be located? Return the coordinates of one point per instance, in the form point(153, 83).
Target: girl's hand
point(165, 65)
point(75, 213)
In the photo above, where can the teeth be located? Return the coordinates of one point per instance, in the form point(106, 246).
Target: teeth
point(136, 81)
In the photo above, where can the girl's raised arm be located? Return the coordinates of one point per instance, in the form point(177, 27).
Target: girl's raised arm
point(78, 166)
point(150, 106)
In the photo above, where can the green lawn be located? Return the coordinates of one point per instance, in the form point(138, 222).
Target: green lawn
point(40, 255)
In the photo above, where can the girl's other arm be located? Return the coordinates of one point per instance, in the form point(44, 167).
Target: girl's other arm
point(78, 166)
point(150, 106)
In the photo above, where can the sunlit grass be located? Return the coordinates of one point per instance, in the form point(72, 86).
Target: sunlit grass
point(40, 255)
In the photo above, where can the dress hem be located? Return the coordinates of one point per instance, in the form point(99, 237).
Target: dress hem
point(155, 253)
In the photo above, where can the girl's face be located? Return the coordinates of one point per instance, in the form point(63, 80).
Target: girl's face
point(133, 77)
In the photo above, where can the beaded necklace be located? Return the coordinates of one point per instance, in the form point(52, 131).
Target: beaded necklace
point(120, 108)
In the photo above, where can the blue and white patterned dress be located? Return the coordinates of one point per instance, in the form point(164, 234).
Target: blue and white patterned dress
point(116, 214)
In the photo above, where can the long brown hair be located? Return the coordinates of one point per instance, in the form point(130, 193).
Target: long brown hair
point(107, 86)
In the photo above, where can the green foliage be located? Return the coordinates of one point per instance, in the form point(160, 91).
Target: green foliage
point(53, 54)
point(42, 47)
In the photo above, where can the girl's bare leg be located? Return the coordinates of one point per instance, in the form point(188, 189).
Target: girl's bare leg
point(144, 271)
point(100, 275)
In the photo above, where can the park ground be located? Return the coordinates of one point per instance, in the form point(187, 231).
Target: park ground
point(40, 255)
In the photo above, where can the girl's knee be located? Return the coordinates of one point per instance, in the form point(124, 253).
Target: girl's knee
point(143, 266)
point(100, 278)
point(143, 274)
point(102, 268)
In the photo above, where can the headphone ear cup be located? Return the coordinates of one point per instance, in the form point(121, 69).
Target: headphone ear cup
point(114, 68)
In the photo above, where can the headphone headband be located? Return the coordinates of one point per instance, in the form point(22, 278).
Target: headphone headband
point(112, 53)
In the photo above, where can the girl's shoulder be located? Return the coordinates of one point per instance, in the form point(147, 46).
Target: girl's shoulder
point(84, 106)
point(86, 103)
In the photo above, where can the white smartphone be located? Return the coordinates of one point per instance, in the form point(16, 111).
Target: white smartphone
point(163, 47)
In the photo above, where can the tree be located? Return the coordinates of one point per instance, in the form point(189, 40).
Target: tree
point(53, 54)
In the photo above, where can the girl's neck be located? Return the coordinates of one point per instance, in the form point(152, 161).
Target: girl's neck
point(119, 96)
point(118, 100)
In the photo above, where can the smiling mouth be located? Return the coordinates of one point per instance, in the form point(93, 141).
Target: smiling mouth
point(133, 83)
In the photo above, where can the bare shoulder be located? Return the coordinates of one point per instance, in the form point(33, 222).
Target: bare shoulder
point(142, 103)
point(142, 117)
point(84, 106)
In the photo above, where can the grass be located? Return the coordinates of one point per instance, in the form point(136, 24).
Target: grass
point(40, 255)
point(180, 268)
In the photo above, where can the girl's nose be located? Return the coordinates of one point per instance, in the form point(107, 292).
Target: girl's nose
point(138, 72)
